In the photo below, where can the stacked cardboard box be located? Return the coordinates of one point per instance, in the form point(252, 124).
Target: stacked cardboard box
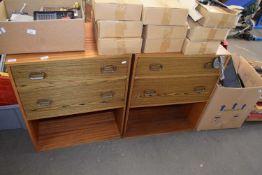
point(25, 35)
point(118, 26)
point(206, 34)
point(165, 26)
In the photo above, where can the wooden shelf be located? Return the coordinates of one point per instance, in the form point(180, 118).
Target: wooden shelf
point(76, 129)
point(162, 119)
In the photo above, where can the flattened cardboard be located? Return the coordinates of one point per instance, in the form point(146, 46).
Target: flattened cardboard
point(119, 29)
point(217, 17)
point(117, 46)
point(162, 45)
point(3, 14)
point(158, 32)
point(203, 47)
point(164, 12)
point(229, 107)
point(200, 33)
point(117, 10)
point(41, 36)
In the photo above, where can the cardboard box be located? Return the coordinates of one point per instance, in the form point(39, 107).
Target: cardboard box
point(41, 36)
point(174, 32)
point(200, 33)
point(162, 45)
point(3, 15)
point(217, 17)
point(203, 47)
point(117, 10)
point(119, 29)
point(229, 107)
point(168, 12)
point(117, 46)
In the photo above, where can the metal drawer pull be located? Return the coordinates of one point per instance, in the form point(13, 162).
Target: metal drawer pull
point(208, 65)
point(200, 89)
point(44, 102)
point(107, 95)
point(155, 67)
point(150, 93)
point(37, 75)
point(108, 69)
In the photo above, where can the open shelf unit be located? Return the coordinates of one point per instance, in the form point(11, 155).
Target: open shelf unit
point(162, 119)
point(76, 129)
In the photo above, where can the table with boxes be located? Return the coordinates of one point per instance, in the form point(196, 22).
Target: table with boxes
point(146, 69)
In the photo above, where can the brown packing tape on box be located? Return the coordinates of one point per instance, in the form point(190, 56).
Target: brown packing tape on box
point(203, 48)
point(120, 9)
point(3, 14)
point(224, 21)
point(212, 33)
point(166, 18)
point(120, 29)
point(165, 45)
point(121, 46)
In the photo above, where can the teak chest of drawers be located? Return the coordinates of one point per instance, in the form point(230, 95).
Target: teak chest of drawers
point(80, 97)
point(71, 98)
point(168, 92)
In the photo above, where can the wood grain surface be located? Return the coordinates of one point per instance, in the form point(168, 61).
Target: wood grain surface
point(175, 66)
point(72, 98)
point(157, 120)
point(172, 90)
point(69, 71)
point(78, 129)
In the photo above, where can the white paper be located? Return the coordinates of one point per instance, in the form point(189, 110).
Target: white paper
point(44, 58)
point(31, 31)
point(11, 60)
point(124, 62)
point(3, 30)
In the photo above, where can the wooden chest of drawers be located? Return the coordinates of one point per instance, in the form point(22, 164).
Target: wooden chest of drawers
point(71, 98)
point(168, 92)
point(51, 89)
point(55, 91)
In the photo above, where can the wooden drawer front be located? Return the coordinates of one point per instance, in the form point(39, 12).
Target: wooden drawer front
point(152, 91)
point(44, 74)
point(175, 66)
point(75, 98)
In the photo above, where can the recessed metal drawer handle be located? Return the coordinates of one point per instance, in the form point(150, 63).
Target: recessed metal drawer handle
point(107, 95)
point(155, 67)
point(208, 65)
point(200, 89)
point(37, 75)
point(108, 69)
point(150, 93)
point(44, 102)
